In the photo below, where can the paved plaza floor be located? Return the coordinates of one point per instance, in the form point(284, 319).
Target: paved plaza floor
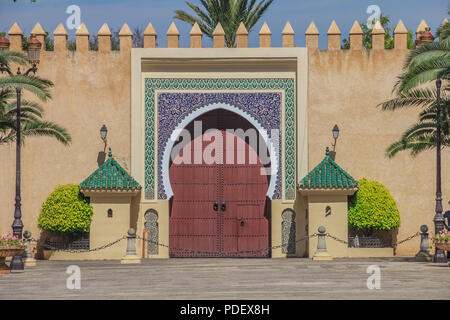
point(231, 279)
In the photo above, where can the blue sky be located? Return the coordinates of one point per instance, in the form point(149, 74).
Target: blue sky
point(160, 12)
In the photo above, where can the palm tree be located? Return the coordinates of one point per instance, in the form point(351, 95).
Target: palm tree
point(422, 135)
point(6, 57)
point(427, 63)
point(230, 14)
point(36, 85)
point(32, 123)
point(424, 65)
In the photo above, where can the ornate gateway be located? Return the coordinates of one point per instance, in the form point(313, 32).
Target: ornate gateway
point(214, 207)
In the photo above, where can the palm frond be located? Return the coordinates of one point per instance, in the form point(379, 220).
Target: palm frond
point(416, 144)
point(230, 13)
point(31, 112)
point(422, 135)
point(422, 97)
point(47, 128)
point(424, 52)
point(26, 107)
point(7, 57)
point(36, 85)
point(426, 71)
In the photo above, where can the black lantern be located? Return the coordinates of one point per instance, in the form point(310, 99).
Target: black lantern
point(335, 132)
point(34, 50)
point(103, 132)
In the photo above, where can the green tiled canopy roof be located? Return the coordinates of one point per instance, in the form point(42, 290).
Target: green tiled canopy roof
point(110, 176)
point(328, 175)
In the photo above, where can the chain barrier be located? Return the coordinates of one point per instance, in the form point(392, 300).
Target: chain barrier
point(336, 239)
point(393, 244)
point(227, 253)
point(47, 246)
point(407, 239)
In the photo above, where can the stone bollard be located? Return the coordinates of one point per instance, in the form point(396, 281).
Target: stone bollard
point(424, 253)
point(131, 257)
point(321, 252)
point(28, 259)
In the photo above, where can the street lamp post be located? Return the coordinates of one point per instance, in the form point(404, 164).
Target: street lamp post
point(34, 48)
point(439, 255)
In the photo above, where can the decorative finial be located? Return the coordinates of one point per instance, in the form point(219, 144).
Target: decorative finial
point(109, 153)
point(327, 151)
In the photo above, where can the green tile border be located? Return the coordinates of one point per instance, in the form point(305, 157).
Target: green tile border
point(286, 84)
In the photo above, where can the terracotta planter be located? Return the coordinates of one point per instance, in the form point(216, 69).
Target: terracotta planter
point(8, 252)
point(443, 245)
point(47, 254)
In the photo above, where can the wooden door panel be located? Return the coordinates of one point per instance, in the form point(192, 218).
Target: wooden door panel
point(191, 209)
point(194, 224)
point(257, 246)
point(243, 193)
point(250, 214)
point(192, 174)
point(230, 226)
point(256, 227)
point(253, 229)
point(193, 246)
point(198, 192)
point(193, 221)
point(194, 227)
point(244, 189)
point(243, 174)
point(230, 246)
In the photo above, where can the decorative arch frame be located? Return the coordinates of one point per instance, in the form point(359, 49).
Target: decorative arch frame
point(272, 147)
point(153, 127)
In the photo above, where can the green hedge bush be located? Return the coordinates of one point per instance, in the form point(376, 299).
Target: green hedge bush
point(66, 211)
point(372, 209)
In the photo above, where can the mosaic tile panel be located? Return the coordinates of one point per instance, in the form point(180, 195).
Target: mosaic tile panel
point(288, 231)
point(151, 224)
point(285, 84)
point(173, 108)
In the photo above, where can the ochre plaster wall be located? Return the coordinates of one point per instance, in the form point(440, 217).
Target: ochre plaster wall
point(345, 87)
point(90, 89)
point(335, 223)
point(301, 222)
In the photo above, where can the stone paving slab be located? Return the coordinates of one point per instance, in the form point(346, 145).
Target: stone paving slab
point(230, 279)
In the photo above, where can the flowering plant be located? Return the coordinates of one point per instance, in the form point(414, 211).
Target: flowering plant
point(442, 236)
point(10, 241)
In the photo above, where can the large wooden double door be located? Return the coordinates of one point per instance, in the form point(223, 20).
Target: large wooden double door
point(219, 204)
